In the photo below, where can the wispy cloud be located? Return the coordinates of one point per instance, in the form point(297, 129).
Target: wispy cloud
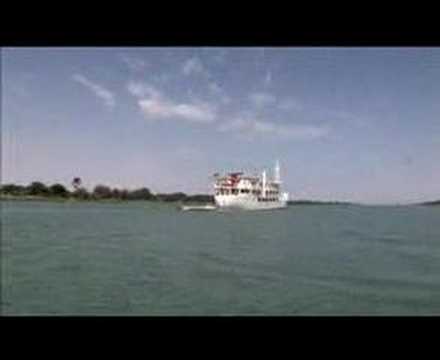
point(261, 99)
point(140, 90)
point(253, 128)
point(133, 63)
point(98, 90)
point(161, 109)
point(193, 65)
point(155, 106)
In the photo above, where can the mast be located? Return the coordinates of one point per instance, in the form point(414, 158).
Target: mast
point(264, 183)
point(277, 177)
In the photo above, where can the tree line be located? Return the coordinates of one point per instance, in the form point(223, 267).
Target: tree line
point(99, 192)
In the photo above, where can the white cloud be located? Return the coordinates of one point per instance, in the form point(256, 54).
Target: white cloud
point(133, 63)
point(139, 89)
point(252, 128)
point(260, 99)
point(193, 66)
point(162, 109)
point(98, 90)
point(154, 105)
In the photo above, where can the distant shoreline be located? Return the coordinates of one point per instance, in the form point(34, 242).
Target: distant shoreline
point(195, 199)
point(200, 198)
point(38, 191)
point(318, 202)
point(431, 203)
point(165, 198)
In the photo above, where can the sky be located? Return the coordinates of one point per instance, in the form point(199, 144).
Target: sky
point(348, 124)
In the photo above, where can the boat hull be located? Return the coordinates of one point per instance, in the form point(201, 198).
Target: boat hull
point(247, 203)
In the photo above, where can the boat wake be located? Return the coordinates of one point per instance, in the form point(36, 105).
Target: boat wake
point(198, 207)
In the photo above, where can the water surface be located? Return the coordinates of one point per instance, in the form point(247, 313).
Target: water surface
point(141, 258)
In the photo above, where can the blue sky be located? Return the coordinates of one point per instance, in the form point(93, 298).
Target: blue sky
point(356, 124)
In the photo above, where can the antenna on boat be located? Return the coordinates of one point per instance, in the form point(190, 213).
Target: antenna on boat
point(264, 183)
point(277, 177)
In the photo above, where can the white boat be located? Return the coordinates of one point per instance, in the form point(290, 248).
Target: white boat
point(237, 190)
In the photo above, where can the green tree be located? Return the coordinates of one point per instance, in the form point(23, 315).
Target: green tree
point(140, 194)
point(82, 194)
point(58, 190)
point(12, 189)
point(116, 193)
point(124, 194)
point(37, 188)
point(102, 192)
point(178, 196)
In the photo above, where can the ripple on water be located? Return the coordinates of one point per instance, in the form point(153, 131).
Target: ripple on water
point(151, 259)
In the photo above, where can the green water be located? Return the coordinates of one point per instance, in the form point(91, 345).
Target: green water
point(150, 259)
